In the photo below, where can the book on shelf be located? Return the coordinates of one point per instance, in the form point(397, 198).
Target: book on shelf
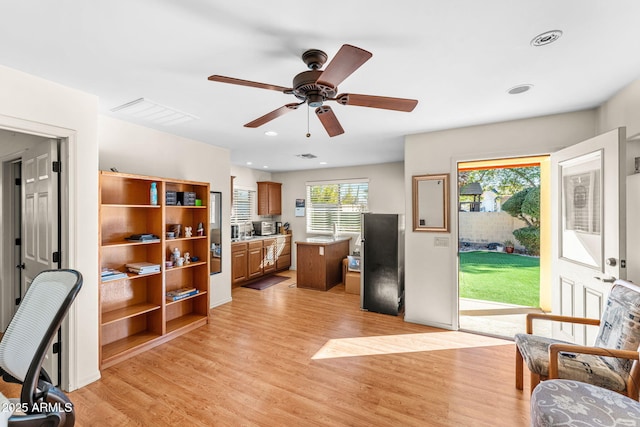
point(143, 238)
point(143, 267)
point(108, 274)
point(181, 293)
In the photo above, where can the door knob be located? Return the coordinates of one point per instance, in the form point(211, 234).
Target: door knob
point(606, 279)
point(21, 266)
point(611, 262)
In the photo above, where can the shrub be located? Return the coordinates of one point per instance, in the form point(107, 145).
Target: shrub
point(529, 237)
point(513, 206)
point(531, 205)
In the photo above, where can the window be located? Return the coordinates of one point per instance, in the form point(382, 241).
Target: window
point(244, 206)
point(336, 202)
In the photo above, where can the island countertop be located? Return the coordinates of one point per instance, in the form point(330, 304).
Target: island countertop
point(322, 240)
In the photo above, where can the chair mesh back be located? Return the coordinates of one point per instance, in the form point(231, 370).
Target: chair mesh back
point(35, 315)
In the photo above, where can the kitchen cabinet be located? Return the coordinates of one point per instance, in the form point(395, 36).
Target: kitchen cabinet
point(133, 312)
point(239, 268)
point(269, 255)
point(283, 250)
point(269, 198)
point(255, 254)
point(259, 257)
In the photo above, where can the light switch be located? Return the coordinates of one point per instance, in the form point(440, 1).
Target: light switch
point(321, 250)
point(441, 242)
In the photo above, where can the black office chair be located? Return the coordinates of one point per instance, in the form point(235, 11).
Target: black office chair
point(24, 346)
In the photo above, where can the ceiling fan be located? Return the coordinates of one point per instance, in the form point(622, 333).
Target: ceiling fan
point(316, 86)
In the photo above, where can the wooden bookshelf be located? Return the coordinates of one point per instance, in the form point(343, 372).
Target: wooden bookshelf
point(134, 314)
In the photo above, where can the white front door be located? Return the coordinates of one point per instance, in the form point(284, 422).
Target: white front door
point(40, 221)
point(588, 229)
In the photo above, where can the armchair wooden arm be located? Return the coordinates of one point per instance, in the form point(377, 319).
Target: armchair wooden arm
point(558, 318)
point(554, 349)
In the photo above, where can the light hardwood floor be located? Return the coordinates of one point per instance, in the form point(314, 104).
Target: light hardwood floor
point(294, 357)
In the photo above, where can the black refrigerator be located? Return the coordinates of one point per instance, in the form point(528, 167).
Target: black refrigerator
point(382, 263)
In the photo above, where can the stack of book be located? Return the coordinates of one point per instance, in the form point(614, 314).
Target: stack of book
point(181, 293)
point(111, 274)
point(143, 267)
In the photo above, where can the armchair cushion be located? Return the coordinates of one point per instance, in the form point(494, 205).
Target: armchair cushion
point(572, 403)
point(620, 323)
point(582, 367)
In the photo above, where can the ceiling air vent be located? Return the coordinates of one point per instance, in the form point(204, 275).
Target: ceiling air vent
point(150, 111)
point(306, 156)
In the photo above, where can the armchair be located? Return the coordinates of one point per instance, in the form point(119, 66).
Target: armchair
point(612, 362)
point(24, 346)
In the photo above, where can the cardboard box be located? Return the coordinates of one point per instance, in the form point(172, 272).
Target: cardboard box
point(352, 283)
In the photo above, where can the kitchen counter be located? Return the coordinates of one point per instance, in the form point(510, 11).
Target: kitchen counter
point(254, 238)
point(259, 256)
point(319, 261)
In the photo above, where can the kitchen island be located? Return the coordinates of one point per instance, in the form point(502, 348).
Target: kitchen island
point(319, 261)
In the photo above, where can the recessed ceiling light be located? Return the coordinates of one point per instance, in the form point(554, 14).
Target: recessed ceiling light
point(519, 89)
point(271, 133)
point(323, 163)
point(546, 38)
point(249, 163)
point(266, 167)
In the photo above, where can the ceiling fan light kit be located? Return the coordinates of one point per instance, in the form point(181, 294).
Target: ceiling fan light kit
point(315, 86)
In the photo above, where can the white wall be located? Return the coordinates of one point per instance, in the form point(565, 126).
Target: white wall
point(386, 192)
point(247, 178)
point(430, 272)
point(623, 109)
point(29, 103)
point(136, 149)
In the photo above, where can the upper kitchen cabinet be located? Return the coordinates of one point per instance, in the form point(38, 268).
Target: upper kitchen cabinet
point(269, 198)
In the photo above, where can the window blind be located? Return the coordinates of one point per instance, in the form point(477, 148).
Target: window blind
point(244, 206)
point(339, 203)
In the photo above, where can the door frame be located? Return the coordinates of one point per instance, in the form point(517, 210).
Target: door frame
point(11, 222)
point(68, 197)
point(545, 217)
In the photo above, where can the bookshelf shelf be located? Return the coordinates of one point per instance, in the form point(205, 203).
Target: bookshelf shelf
point(134, 315)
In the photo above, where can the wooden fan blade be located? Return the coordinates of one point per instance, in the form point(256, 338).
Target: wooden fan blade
point(234, 81)
point(347, 60)
point(272, 115)
point(398, 104)
point(329, 121)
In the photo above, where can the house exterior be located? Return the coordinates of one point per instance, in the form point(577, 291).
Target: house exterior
point(490, 201)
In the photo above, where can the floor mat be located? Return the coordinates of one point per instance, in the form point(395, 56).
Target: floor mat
point(265, 282)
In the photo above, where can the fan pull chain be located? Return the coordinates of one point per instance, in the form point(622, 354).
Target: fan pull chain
point(308, 133)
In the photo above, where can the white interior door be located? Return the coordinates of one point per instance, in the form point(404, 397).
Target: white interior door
point(588, 229)
point(40, 221)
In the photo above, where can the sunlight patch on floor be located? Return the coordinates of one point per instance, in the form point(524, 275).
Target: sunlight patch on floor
point(406, 343)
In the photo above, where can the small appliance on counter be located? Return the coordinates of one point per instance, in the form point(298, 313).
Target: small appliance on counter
point(279, 229)
point(235, 231)
point(264, 228)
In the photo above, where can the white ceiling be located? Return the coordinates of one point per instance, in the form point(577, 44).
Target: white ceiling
point(458, 58)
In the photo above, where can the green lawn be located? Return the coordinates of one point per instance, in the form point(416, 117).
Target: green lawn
point(500, 277)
